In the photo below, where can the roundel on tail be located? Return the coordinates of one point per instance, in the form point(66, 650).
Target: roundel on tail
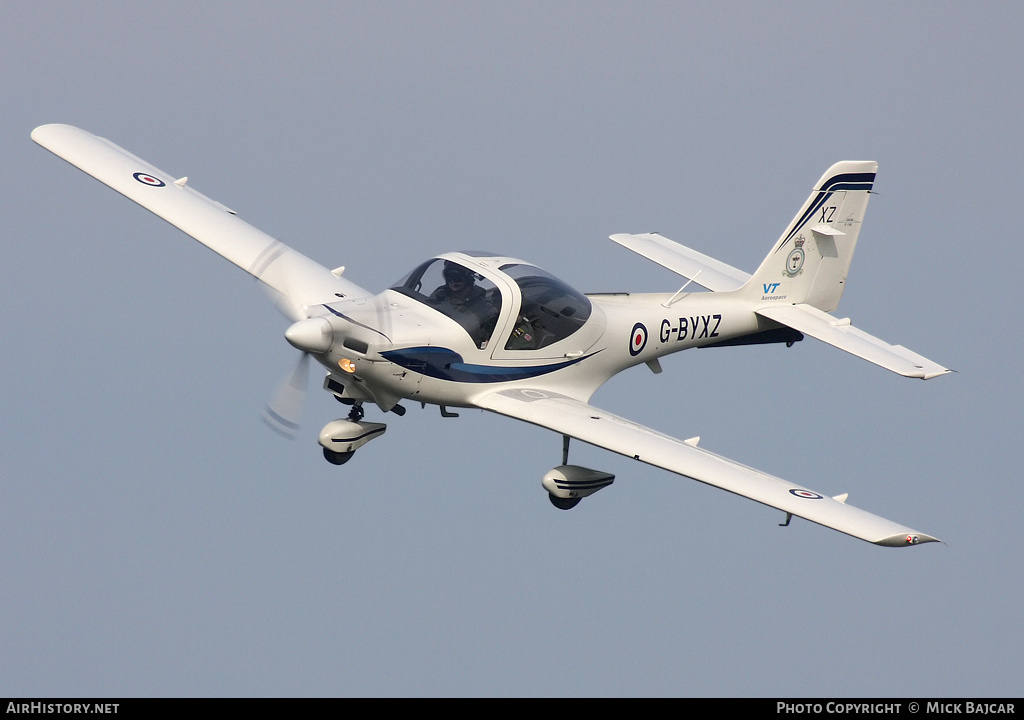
point(637, 339)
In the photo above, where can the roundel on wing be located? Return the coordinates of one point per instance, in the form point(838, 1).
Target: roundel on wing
point(637, 339)
point(147, 179)
point(806, 494)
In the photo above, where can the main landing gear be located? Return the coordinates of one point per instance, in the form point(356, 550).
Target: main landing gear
point(568, 484)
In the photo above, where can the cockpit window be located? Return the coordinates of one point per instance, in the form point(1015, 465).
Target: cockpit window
point(466, 297)
point(551, 310)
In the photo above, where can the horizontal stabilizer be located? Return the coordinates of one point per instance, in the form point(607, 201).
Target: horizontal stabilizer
point(703, 270)
point(840, 334)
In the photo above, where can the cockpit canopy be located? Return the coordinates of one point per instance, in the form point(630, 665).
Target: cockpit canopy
point(540, 310)
point(549, 310)
point(467, 297)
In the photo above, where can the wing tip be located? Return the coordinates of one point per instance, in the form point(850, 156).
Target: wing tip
point(48, 128)
point(55, 136)
point(39, 134)
point(907, 539)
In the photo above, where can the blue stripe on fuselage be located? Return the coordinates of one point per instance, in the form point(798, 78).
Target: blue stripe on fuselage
point(445, 364)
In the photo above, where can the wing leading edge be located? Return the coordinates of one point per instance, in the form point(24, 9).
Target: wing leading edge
point(298, 280)
point(597, 427)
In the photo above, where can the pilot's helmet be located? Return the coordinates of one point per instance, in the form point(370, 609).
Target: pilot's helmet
point(453, 272)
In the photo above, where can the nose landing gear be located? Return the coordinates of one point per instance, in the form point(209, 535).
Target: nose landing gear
point(341, 438)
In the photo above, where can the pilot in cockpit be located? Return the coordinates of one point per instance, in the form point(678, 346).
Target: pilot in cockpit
point(461, 299)
point(460, 289)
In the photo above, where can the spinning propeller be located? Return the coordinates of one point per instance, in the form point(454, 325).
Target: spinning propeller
point(310, 335)
point(283, 413)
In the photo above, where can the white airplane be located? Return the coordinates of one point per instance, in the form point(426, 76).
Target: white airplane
point(477, 330)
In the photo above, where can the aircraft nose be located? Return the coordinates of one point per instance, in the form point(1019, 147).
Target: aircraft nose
point(312, 335)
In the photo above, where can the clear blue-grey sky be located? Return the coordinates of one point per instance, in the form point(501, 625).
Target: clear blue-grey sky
point(157, 539)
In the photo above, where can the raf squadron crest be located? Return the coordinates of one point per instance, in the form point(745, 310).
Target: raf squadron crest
point(795, 261)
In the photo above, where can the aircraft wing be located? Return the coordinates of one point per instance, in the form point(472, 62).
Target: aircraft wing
point(299, 281)
point(839, 333)
point(703, 270)
point(597, 427)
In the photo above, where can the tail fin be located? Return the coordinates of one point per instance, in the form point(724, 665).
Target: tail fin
point(810, 261)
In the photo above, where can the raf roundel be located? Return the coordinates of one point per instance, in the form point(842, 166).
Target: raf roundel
point(637, 339)
point(147, 179)
point(806, 494)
